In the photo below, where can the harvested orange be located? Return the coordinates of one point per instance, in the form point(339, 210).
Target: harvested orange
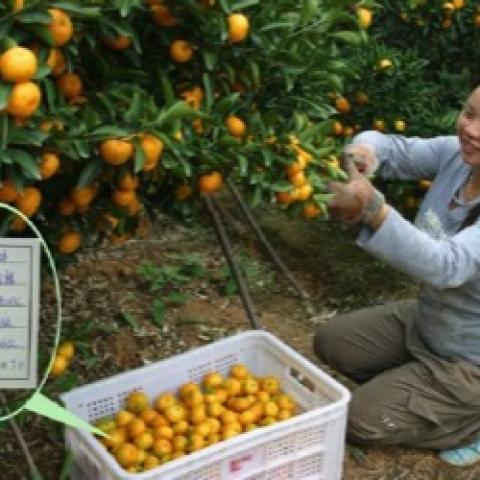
point(70, 84)
point(238, 27)
point(181, 51)
point(175, 413)
point(18, 64)
point(124, 417)
point(69, 242)
point(239, 371)
point(210, 182)
point(212, 379)
point(164, 401)
point(116, 151)
point(61, 27)
point(50, 163)
point(136, 427)
point(144, 441)
point(24, 99)
point(29, 201)
point(127, 455)
point(137, 402)
point(162, 446)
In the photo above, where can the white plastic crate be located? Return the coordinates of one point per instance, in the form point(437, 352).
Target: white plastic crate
point(309, 446)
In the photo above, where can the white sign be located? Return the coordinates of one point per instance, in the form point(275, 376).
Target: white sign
point(19, 307)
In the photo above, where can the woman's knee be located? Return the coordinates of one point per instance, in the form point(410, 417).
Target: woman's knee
point(324, 343)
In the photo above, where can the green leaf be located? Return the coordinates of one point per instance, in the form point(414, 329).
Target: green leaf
point(175, 298)
point(349, 37)
point(139, 159)
point(42, 72)
point(26, 161)
point(33, 16)
point(208, 87)
point(108, 131)
point(178, 110)
point(135, 108)
point(243, 165)
point(90, 173)
point(210, 60)
point(158, 312)
point(22, 136)
point(5, 91)
point(226, 104)
point(130, 320)
point(241, 4)
point(67, 466)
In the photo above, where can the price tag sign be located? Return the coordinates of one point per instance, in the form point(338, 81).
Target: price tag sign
point(19, 310)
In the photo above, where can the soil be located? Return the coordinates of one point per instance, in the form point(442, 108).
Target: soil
point(109, 311)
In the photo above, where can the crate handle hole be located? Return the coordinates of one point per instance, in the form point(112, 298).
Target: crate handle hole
point(302, 379)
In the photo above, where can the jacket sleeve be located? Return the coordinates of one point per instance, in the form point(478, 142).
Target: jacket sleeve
point(408, 158)
point(441, 263)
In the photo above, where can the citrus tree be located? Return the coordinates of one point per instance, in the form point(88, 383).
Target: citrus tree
point(113, 107)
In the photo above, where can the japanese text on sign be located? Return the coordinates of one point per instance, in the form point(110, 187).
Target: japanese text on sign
point(19, 306)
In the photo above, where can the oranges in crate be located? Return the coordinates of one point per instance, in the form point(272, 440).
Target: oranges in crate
point(149, 432)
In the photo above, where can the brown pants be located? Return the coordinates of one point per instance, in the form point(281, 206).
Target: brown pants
point(408, 396)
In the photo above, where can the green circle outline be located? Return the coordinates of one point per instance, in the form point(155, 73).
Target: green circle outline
point(59, 304)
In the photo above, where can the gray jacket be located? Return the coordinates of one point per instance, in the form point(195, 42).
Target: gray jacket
point(446, 263)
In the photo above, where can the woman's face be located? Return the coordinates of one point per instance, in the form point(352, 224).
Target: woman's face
point(468, 129)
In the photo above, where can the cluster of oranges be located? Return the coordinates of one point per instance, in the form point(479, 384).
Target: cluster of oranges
point(62, 359)
point(301, 189)
point(145, 435)
point(19, 66)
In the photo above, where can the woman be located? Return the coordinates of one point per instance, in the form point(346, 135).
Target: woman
point(417, 361)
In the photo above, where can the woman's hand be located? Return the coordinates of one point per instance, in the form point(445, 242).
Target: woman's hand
point(364, 157)
point(356, 201)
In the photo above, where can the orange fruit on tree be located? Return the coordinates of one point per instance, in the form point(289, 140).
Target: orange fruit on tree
point(128, 182)
point(61, 27)
point(70, 84)
point(24, 99)
point(236, 126)
point(182, 192)
point(304, 192)
point(210, 182)
point(66, 207)
point(364, 16)
point(361, 98)
point(152, 147)
point(379, 124)
point(162, 16)
point(400, 125)
point(66, 350)
point(56, 61)
point(116, 151)
point(18, 64)
point(286, 198)
point(342, 105)
point(384, 64)
point(425, 184)
point(337, 128)
point(298, 179)
point(311, 210)
point(8, 191)
point(83, 196)
point(124, 198)
point(121, 42)
point(181, 51)
point(49, 165)
point(29, 201)
point(69, 242)
point(18, 5)
point(238, 27)
point(59, 365)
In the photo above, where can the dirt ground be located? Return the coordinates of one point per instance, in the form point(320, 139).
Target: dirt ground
point(110, 312)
